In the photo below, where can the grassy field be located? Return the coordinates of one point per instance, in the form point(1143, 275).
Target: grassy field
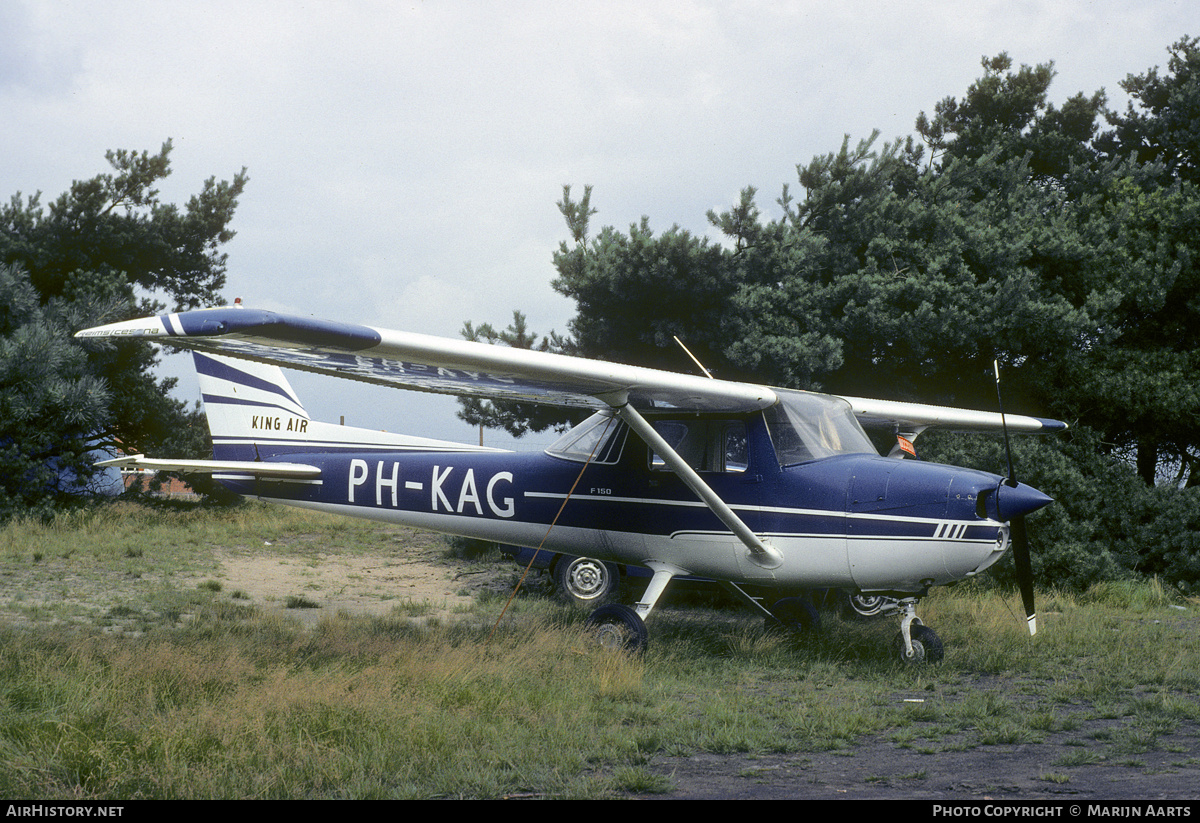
point(122, 677)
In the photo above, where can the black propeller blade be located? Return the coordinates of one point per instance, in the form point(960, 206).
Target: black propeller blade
point(1013, 507)
point(1020, 541)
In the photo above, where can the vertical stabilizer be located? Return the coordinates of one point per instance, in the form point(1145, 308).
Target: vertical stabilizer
point(252, 411)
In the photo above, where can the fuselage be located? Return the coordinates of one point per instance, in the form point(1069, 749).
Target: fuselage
point(848, 520)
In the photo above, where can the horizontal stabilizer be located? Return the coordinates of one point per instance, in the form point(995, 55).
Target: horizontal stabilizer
point(140, 461)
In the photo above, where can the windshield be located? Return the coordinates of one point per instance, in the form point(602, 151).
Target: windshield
point(808, 426)
point(598, 439)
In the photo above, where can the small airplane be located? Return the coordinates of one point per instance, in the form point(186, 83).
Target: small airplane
point(760, 489)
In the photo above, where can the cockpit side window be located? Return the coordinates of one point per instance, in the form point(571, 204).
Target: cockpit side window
point(705, 444)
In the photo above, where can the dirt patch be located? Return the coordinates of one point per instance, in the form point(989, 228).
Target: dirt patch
point(294, 575)
point(307, 588)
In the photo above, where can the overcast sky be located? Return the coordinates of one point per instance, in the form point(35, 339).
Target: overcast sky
point(405, 157)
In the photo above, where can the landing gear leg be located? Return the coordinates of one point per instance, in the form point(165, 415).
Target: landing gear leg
point(916, 643)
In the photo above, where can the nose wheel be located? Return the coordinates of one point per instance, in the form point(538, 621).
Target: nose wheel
point(618, 627)
point(924, 646)
point(916, 643)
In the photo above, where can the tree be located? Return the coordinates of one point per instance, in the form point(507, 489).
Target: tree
point(1025, 235)
point(1147, 380)
point(112, 232)
point(1161, 124)
point(636, 292)
point(898, 279)
point(50, 405)
point(111, 249)
point(1007, 114)
point(1141, 386)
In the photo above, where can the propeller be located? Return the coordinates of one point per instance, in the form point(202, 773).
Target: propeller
point(1013, 502)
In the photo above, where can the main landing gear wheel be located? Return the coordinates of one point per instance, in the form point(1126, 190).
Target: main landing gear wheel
point(926, 646)
point(585, 581)
point(617, 626)
point(796, 615)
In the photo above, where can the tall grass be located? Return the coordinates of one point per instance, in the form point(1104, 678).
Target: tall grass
point(234, 702)
point(354, 709)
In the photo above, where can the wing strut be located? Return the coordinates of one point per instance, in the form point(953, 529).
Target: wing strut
point(761, 552)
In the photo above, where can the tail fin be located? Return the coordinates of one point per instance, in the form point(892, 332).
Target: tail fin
point(252, 411)
point(253, 414)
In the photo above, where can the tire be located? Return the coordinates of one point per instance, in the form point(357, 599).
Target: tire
point(616, 626)
point(584, 581)
point(796, 615)
point(927, 646)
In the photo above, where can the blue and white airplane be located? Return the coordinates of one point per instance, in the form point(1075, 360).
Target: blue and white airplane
point(760, 489)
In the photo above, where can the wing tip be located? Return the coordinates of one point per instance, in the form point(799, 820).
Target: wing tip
point(1049, 425)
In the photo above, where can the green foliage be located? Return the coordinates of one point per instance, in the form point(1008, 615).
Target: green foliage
point(1160, 124)
point(50, 405)
point(900, 284)
point(106, 250)
point(1006, 114)
point(635, 292)
point(1141, 385)
point(113, 232)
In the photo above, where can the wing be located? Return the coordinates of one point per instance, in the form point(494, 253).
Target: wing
point(435, 364)
point(458, 367)
point(916, 417)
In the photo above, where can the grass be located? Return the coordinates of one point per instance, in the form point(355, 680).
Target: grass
point(193, 692)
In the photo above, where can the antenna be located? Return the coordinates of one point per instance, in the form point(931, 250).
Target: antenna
point(694, 359)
